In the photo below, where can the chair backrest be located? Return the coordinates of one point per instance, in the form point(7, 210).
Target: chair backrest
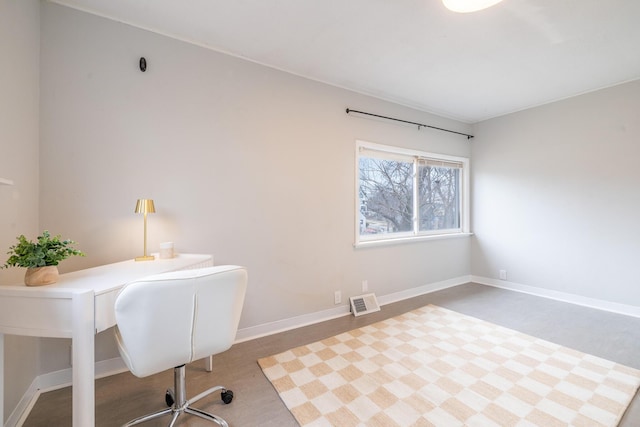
point(170, 319)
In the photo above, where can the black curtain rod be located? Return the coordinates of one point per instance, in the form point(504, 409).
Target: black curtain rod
point(420, 125)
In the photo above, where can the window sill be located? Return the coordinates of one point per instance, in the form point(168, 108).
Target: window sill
point(412, 239)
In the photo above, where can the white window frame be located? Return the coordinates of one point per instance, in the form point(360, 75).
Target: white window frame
point(415, 234)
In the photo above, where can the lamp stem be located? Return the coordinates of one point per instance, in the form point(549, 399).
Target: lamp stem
point(145, 257)
point(145, 234)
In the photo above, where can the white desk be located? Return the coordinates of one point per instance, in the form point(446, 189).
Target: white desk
point(78, 306)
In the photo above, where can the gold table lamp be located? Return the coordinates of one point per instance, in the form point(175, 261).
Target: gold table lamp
point(145, 206)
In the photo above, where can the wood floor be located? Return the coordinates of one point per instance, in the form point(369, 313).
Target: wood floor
point(122, 397)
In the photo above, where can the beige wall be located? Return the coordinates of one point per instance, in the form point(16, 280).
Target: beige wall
point(19, 87)
point(556, 200)
point(250, 164)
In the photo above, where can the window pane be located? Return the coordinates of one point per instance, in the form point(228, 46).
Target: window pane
point(386, 196)
point(438, 197)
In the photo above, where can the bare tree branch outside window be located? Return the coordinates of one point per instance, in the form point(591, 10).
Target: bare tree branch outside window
point(438, 196)
point(386, 194)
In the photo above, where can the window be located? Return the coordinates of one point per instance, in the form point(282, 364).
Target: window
point(408, 194)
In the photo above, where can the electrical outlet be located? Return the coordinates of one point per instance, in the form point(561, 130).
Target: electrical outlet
point(365, 286)
point(503, 274)
point(337, 297)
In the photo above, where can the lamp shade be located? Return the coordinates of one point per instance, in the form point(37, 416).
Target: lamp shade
point(145, 206)
point(464, 6)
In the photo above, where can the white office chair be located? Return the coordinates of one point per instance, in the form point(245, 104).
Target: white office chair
point(171, 319)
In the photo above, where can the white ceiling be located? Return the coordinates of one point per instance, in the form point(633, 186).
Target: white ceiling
point(470, 67)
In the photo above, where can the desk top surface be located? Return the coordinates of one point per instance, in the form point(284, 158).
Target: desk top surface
point(106, 278)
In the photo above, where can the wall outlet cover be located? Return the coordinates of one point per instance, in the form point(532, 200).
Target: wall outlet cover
point(337, 297)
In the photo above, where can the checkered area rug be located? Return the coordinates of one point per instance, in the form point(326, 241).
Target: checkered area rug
point(436, 367)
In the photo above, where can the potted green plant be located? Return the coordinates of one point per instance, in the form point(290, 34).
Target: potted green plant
point(41, 257)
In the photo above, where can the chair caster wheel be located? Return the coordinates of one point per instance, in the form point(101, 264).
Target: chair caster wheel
point(168, 397)
point(227, 396)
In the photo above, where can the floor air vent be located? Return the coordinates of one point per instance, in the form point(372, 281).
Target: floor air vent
point(364, 304)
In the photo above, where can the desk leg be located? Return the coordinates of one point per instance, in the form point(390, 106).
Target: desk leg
point(83, 354)
point(209, 364)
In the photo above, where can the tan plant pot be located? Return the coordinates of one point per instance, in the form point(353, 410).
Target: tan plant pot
point(38, 276)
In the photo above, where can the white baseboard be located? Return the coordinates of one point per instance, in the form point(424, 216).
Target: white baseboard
point(54, 381)
point(422, 290)
point(252, 332)
point(58, 379)
point(24, 406)
point(614, 307)
point(246, 334)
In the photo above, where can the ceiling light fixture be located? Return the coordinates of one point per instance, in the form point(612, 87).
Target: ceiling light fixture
point(465, 6)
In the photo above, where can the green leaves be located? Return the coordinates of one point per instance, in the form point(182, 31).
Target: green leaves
point(45, 251)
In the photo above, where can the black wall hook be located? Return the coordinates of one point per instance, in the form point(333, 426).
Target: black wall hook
point(143, 64)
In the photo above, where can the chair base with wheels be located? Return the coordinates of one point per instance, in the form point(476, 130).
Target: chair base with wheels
point(178, 404)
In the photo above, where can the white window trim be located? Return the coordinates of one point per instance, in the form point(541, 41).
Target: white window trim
point(396, 238)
